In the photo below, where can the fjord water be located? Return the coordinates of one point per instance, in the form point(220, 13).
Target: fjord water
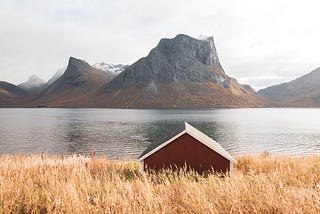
point(122, 133)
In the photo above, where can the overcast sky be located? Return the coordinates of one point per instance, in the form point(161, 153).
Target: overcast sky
point(259, 42)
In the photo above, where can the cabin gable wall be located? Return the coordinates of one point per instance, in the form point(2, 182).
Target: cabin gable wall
point(187, 151)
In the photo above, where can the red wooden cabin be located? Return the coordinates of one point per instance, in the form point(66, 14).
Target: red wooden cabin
point(187, 146)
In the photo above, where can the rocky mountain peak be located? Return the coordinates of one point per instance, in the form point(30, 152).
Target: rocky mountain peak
point(202, 49)
point(75, 61)
point(77, 65)
point(176, 60)
point(33, 82)
point(182, 72)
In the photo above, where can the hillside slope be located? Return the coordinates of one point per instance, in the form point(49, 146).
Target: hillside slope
point(301, 92)
point(9, 93)
point(74, 87)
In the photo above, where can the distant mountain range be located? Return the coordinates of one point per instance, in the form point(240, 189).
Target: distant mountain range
point(301, 92)
point(70, 86)
point(182, 72)
point(9, 93)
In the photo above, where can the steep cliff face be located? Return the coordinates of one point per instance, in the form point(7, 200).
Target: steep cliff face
point(301, 92)
point(180, 59)
point(182, 72)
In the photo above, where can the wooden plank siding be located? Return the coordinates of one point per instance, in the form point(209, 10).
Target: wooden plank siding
point(187, 151)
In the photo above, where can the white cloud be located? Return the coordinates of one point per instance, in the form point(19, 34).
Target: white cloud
point(255, 39)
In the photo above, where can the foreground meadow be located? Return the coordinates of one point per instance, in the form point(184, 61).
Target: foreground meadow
point(76, 184)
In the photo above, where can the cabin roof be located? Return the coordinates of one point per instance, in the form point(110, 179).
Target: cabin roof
point(186, 128)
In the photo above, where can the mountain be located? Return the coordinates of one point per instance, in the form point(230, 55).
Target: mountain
point(182, 72)
point(301, 92)
point(33, 83)
point(75, 87)
point(56, 76)
point(9, 93)
point(113, 69)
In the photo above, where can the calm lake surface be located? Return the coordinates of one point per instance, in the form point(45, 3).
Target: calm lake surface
point(122, 133)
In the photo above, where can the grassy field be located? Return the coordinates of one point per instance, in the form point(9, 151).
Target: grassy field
point(76, 184)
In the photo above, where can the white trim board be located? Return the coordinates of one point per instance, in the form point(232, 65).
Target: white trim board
point(162, 145)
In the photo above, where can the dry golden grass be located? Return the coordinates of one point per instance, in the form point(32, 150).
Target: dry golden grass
point(261, 184)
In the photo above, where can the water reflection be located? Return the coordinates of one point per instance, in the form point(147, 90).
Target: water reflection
point(126, 133)
point(76, 138)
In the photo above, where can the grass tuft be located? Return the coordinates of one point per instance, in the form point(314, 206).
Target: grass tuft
point(77, 184)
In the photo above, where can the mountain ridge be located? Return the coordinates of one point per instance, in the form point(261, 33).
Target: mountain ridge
point(180, 72)
point(303, 91)
point(9, 93)
point(74, 86)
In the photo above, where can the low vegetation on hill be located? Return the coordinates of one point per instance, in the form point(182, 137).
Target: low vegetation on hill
point(76, 184)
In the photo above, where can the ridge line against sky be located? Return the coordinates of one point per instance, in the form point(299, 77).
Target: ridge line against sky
point(260, 43)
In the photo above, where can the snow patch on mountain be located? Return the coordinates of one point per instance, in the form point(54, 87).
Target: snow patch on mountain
point(110, 68)
point(204, 38)
point(33, 82)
